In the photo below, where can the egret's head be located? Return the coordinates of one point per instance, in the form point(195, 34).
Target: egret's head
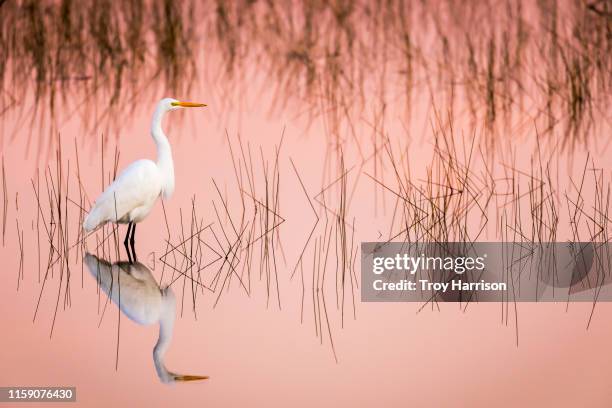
point(169, 104)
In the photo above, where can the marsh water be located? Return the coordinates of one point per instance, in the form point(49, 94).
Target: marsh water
point(327, 125)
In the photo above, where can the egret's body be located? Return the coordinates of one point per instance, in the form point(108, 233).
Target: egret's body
point(130, 198)
point(133, 288)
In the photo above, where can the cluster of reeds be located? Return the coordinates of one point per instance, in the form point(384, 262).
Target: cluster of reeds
point(465, 195)
point(461, 195)
point(332, 245)
point(243, 236)
point(58, 239)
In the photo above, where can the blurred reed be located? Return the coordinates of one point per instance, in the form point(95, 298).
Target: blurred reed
point(544, 60)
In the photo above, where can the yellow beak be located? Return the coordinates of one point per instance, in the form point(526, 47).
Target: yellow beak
point(188, 104)
point(190, 377)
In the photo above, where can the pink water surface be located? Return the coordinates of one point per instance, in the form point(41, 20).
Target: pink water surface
point(256, 354)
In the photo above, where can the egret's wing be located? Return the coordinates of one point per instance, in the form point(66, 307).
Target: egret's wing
point(137, 185)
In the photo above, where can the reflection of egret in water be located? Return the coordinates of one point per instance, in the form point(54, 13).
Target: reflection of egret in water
point(133, 288)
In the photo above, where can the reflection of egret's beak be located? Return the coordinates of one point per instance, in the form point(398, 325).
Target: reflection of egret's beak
point(189, 104)
point(190, 377)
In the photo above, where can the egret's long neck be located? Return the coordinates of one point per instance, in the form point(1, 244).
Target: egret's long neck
point(164, 152)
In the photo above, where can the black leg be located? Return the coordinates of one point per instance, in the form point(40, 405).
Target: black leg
point(127, 235)
point(126, 242)
point(132, 240)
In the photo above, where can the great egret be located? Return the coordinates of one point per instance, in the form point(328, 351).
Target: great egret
point(130, 198)
point(133, 287)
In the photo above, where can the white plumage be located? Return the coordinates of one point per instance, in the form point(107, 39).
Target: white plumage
point(130, 198)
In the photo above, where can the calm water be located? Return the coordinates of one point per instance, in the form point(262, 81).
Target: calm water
point(260, 245)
